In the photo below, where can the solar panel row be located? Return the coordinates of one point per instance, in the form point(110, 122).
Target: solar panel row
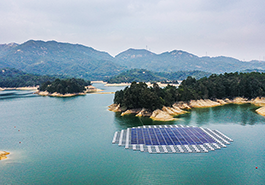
point(170, 136)
point(170, 139)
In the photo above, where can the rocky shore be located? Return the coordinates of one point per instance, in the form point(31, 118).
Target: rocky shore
point(168, 113)
point(3, 155)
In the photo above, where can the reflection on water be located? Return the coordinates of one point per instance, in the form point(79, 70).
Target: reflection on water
point(228, 114)
point(128, 121)
point(9, 94)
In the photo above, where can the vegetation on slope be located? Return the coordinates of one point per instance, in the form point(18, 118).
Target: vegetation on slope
point(65, 86)
point(16, 78)
point(55, 58)
point(228, 85)
point(139, 95)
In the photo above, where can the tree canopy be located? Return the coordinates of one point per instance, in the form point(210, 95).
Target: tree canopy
point(72, 85)
point(10, 77)
point(228, 85)
point(139, 95)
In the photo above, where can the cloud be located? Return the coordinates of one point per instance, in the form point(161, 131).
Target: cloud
point(221, 27)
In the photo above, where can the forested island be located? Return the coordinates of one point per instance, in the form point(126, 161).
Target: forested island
point(64, 87)
point(56, 85)
point(208, 91)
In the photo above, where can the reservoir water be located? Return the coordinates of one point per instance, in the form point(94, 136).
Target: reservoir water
point(68, 141)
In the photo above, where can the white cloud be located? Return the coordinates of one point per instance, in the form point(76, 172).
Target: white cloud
point(221, 27)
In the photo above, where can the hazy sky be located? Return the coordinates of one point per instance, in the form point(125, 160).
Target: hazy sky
point(233, 28)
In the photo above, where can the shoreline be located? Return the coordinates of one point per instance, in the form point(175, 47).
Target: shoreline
point(178, 108)
point(149, 84)
point(20, 88)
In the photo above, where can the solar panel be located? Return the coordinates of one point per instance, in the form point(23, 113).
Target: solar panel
point(171, 139)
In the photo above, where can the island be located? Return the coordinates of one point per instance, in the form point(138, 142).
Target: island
point(66, 88)
point(163, 104)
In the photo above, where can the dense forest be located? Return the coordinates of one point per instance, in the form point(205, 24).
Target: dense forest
point(142, 75)
point(139, 95)
point(228, 85)
point(72, 85)
point(10, 77)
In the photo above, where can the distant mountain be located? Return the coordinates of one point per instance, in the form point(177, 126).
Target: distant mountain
point(5, 48)
point(253, 70)
point(178, 60)
point(52, 58)
point(143, 75)
point(182, 75)
point(75, 60)
point(136, 58)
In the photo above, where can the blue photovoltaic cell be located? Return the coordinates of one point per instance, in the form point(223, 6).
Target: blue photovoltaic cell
point(206, 136)
point(133, 136)
point(170, 136)
point(140, 138)
point(153, 137)
point(166, 136)
point(173, 137)
point(160, 137)
point(147, 136)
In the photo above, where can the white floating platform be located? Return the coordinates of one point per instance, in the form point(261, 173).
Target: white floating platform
point(161, 139)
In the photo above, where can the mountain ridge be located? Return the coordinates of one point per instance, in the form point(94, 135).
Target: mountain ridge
point(178, 60)
point(58, 58)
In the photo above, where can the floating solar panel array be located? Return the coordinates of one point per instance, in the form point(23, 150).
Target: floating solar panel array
point(171, 139)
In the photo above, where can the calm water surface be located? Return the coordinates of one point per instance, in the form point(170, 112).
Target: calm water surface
point(68, 141)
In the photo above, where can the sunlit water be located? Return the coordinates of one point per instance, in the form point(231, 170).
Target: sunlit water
point(68, 141)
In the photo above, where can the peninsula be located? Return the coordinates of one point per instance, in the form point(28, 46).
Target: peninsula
point(164, 103)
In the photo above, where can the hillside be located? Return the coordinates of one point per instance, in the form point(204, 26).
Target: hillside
point(75, 60)
point(59, 58)
point(10, 77)
point(5, 48)
point(142, 75)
